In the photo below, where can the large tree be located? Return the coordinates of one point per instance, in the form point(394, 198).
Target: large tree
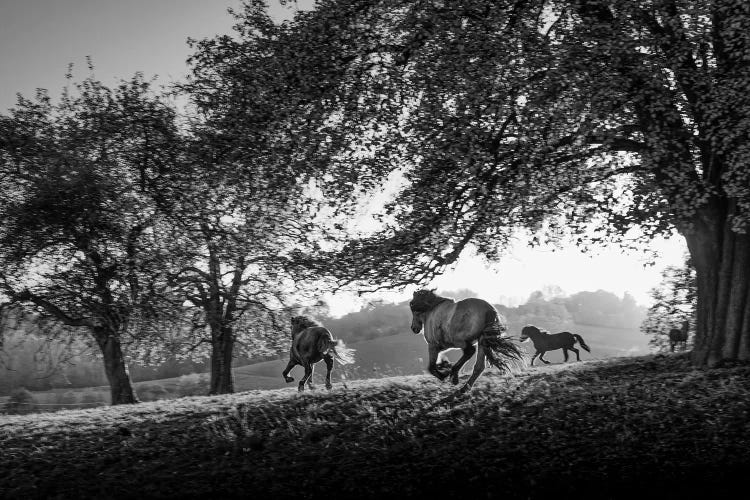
point(562, 117)
point(80, 238)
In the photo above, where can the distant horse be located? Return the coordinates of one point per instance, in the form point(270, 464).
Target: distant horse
point(472, 325)
point(544, 342)
point(679, 336)
point(312, 343)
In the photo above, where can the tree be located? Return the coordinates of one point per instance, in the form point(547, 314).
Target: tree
point(244, 235)
point(558, 117)
point(674, 301)
point(80, 237)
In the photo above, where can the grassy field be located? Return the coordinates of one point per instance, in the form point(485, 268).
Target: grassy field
point(611, 428)
point(406, 354)
point(403, 354)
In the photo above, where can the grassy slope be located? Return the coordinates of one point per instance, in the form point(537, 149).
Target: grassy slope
point(403, 354)
point(406, 354)
point(602, 428)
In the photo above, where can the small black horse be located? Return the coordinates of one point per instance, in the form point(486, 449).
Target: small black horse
point(544, 342)
point(312, 343)
point(679, 336)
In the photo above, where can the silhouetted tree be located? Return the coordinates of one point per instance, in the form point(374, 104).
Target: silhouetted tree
point(80, 239)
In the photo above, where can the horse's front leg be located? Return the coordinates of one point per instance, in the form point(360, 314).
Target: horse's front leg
point(478, 369)
point(286, 371)
point(534, 357)
point(468, 352)
point(565, 354)
point(541, 357)
point(576, 351)
point(328, 359)
point(434, 352)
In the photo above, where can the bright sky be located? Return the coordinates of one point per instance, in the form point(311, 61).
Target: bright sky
point(39, 38)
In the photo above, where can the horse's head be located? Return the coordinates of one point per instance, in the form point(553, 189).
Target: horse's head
point(299, 323)
point(416, 321)
point(527, 332)
point(421, 302)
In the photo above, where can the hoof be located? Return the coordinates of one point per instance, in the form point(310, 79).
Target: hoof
point(465, 389)
point(301, 388)
point(288, 379)
point(454, 378)
point(329, 386)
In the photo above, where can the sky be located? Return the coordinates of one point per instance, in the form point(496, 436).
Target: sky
point(39, 38)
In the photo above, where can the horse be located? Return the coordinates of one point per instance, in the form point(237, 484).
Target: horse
point(471, 325)
point(312, 343)
point(679, 336)
point(544, 342)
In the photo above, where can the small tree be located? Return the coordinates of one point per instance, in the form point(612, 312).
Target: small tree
point(674, 302)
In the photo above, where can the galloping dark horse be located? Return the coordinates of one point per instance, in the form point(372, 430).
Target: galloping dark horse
point(310, 344)
point(544, 342)
point(463, 324)
point(679, 336)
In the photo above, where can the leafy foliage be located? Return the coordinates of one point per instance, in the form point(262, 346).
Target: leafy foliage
point(625, 118)
point(80, 240)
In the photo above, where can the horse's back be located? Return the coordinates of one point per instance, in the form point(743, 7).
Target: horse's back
point(467, 319)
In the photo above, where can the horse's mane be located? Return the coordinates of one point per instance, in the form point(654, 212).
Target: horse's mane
point(424, 300)
point(299, 323)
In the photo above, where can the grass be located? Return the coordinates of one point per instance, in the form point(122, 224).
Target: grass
point(402, 354)
point(601, 428)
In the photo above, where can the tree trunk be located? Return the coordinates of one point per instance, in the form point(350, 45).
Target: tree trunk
point(222, 345)
point(121, 391)
point(722, 262)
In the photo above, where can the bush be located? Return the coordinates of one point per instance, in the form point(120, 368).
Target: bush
point(152, 392)
point(21, 400)
point(195, 384)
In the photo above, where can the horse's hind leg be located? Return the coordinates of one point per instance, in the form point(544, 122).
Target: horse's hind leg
point(312, 374)
point(286, 371)
point(467, 354)
point(328, 359)
point(578, 356)
point(307, 375)
point(478, 369)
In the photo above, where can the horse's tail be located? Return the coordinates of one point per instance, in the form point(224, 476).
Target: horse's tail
point(501, 352)
point(344, 354)
point(580, 341)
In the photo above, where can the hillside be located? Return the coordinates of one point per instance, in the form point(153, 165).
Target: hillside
point(402, 354)
point(601, 428)
point(406, 354)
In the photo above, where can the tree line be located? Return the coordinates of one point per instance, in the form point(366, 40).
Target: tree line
point(152, 229)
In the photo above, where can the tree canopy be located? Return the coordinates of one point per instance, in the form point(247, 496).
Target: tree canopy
point(561, 117)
